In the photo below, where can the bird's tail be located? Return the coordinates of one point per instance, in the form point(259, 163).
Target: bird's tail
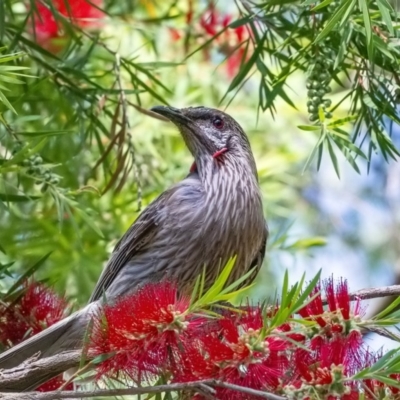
point(65, 335)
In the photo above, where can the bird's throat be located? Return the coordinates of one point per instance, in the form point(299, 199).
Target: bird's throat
point(216, 156)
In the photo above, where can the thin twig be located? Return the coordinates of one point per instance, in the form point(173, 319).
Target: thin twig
point(205, 385)
point(381, 332)
point(35, 370)
point(373, 293)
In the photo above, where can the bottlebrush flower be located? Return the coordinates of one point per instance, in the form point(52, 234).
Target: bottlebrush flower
point(342, 314)
point(38, 308)
point(322, 371)
point(230, 41)
point(54, 384)
point(235, 351)
point(376, 389)
point(144, 333)
point(82, 13)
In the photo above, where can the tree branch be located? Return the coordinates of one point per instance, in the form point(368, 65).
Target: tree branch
point(202, 386)
point(34, 370)
point(373, 293)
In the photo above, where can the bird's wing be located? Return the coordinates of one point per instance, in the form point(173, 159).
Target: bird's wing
point(257, 262)
point(141, 232)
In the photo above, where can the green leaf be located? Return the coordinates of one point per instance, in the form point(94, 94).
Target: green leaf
point(24, 153)
point(89, 221)
point(394, 304)
point(246, 67)
point(364, 7)
point(17, 198)
point(341, 15)
point(307, 243)
point(6, 102)
point(333, 157)
point(341, 121)
point(312, 128)
point(39, 133)
point(323, 4)
point(29, 272)
point(385, 9)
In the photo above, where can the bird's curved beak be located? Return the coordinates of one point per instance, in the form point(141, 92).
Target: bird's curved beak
point(175, 115)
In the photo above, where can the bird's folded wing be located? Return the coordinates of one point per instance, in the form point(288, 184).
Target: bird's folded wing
point(141, 232)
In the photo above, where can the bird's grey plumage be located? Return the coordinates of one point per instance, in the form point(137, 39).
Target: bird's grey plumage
point(208, 217)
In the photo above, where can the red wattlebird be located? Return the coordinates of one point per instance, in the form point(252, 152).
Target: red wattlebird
point(211, 215)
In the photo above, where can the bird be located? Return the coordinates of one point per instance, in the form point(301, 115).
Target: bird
point(199, 224)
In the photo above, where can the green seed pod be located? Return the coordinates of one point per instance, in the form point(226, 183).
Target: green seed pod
point(317, 67)
point(38, 160)
point(321, 92)
point(308, 85)
point(38, 170)
point(313, 117)
point(30, 171)
point(328, 115)
point(44, 187)
point(312, 109)
point(316, 84)
point(55, 180)
point(323, 76)
point(26, 163)
point(327, 103)
point(316, 100)
point(311, 93)
point(309, 103)
point(326, 49)
point(328, 89)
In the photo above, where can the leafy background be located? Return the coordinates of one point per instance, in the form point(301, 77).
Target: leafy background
point(79, 159)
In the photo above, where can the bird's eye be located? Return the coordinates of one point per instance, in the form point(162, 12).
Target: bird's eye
point(218, 123)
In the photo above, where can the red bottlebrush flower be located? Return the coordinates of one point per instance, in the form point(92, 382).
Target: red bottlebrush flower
point(314, 309)
point(189, 14)
point(83, 13)
point(54, 384)
point(341, 315)
point(144, 332)
point(339, 300)
point(233, 61)
point(37, 309)
point(229, 42)
point(209, 21)
point(235, 352)
point(175, 34)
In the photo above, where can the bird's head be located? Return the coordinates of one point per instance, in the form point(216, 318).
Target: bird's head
point(209, 133)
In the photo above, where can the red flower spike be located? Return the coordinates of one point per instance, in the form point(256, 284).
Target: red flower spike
point(145, 332)
point(236, 353)
point(37, 309)
point(229, 42)
point(240, 32)
point(226, 19)
point(343, 298)
point(314, 309)
point(54, 384)
point(209, 21)
point(190, 12)
point(82, 13)
point(330, 293)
